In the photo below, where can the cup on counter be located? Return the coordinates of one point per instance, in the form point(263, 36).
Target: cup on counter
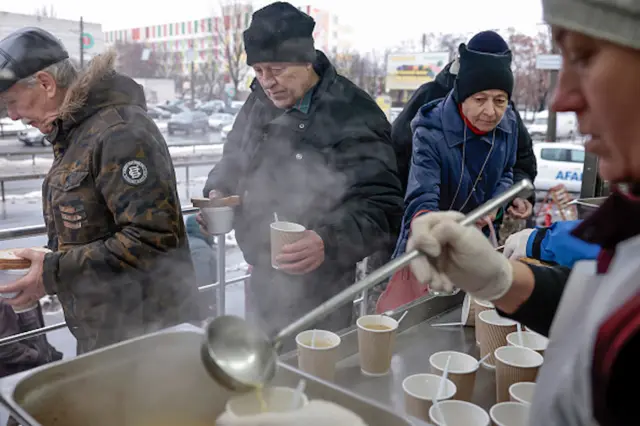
point(515, 364)
point(510, 414)
point(274, 400)
point(492, 331)
point(477, 306)
point(10, 276)
point(531, 340)
point(420, 390)
point(283, 233)
point(522, 392)
point(376, 341)
point(318, 355)
point(458, 413)
point(462, 371)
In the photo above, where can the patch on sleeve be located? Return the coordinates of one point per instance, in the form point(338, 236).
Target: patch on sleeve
point(134, 172)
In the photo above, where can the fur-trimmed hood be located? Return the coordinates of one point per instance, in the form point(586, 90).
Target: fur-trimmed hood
point(97, 87)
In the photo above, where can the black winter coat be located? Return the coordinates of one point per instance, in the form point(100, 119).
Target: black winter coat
point(332, 170)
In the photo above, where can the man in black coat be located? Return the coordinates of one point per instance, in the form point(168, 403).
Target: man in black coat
point(525, 167)
point(312, 148)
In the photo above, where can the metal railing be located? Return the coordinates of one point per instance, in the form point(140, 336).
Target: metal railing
point(31, 176)
point(34, 230)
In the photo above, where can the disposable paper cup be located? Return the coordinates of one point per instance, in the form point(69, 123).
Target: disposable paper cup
point(514, 364)
point(468, 315)
point(531, 340)
point(420, 390)
point(8, 277)
point(492, 331)
point(376, 346)
point(277, 400)
point(219, 219)
point(458, 413)
point(510, 414)
point(477, 306)
point(462, 371)
point(522, 392)
point(319, 360)
point(283, 233)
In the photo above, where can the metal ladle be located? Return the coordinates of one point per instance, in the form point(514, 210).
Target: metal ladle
point(241, 357)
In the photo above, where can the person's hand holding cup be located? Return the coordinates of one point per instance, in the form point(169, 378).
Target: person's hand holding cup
point(294, 249)
point(213, 194)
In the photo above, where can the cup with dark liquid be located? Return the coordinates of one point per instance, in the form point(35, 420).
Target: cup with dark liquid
point(376, 341)
point(318, 353)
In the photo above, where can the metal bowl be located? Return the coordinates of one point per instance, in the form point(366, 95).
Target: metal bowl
point(238, 355)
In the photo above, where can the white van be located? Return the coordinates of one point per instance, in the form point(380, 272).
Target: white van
point(559, 163)
point(566, 126)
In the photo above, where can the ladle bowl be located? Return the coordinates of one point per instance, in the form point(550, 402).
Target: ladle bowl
point(237, 354)
point(241, 357)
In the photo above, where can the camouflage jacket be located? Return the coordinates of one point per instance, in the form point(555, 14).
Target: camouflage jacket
point(121, 265)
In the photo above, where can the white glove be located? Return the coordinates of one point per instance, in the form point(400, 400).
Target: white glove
point(516, 245)
point(463, 257)
point(316, 413)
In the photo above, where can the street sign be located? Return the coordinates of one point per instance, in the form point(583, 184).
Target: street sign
point(87, 41)
point(191, 55)
point(230, 90)
point(146, 54)
point(548, 62)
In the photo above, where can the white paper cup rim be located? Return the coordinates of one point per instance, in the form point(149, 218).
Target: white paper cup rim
point(501, 408)
point(466, 308)
point(320, 334)
point(414, 380)
point(385, 320)
point(526, 358)
point(284, 226)
point(439, 359)
point(481, 415)
point(492, 317)
point(539, 341)
point(515, 388)
point(484, 303)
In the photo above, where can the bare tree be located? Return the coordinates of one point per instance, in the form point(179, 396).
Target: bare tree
point(229, 25)
point(209, 81)
point(367, 71)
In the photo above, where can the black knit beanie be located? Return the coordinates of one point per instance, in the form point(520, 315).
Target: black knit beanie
point(280, 33)
point(482, 71)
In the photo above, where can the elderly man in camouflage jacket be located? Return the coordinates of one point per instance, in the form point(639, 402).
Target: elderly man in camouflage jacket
point(120, 264)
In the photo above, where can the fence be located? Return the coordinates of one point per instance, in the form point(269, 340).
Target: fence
point(31, 231)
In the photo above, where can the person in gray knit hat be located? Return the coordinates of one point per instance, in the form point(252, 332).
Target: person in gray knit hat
point(591, 312)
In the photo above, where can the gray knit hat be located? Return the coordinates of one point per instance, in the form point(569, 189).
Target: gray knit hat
point(617, 21)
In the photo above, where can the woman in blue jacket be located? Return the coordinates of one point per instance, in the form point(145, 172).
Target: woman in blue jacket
point(464, 146)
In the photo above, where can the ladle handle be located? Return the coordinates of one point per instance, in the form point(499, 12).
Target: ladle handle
point(524, 188)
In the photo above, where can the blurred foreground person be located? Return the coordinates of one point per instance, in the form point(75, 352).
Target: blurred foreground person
point(312, 148)
point(120, 264)
point(205, 262)
point(591, 313)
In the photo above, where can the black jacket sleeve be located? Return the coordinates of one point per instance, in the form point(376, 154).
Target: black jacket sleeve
point(526, 166)
point(538, 311)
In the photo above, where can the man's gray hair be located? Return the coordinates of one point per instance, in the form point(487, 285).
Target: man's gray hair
point(64, 74)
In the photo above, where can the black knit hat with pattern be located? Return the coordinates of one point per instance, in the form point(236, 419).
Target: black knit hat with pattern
point(482, 71)
point(280, 33)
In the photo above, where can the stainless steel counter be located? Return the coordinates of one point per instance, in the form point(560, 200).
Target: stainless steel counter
point(416, 342)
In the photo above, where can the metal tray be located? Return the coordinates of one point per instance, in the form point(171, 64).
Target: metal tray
point(417, 340)
point(154, 380)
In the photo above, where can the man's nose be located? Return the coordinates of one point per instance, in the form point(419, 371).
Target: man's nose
point(13, 114)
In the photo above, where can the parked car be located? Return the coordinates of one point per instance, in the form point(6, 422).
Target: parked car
point(212, 107)
point(174, 109)
point(559, 163)
point(158, 113)
point(566, 126)
point(219, 120)
point(8, 127)
point(32, 136)
point(188, 122)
